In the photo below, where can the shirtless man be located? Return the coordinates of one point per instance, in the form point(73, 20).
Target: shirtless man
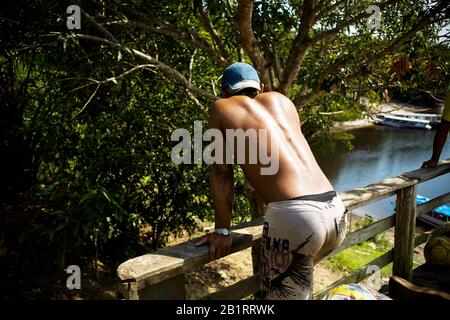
point(305, 218)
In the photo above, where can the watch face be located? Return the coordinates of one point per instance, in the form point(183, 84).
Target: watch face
point(225, 232)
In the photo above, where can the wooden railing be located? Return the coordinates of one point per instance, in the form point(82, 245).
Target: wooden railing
point(160, 275)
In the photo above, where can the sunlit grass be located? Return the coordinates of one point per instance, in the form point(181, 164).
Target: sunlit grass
point(357, 256)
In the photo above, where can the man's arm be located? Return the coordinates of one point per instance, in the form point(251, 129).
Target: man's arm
point(222, 189)
point(438, 144)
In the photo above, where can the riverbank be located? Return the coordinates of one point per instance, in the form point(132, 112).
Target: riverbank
point(374, 109)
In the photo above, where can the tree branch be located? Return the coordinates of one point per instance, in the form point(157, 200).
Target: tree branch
point(344, 24)
point(198, 103)
point(141, 66)
point(171, 30)
point(323, 10)
point(176, 74)
point(396, 43)
point(87, 102)
point(99, 26)
point(431, 95)
point(191, 65)
point(243, 22)
point(299, 48)
point(213, 33)
point(155, 64)
point(278, 70)
point(93, 38)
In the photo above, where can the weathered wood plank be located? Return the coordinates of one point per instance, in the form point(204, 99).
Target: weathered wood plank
point(183, 257)
point(401, 289)
point(387, 187)
point(237, 291)
point(169, 289)
point(170, 262)
point(382, 189)
point(128, 290)
point(434, 203)
point(405, 226)
point(422, 175)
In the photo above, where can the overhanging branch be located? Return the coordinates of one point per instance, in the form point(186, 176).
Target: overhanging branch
point(213, 33)
point(155, 64)
point(243, 22)
point(186, 34)
point(175, 73)
point(299, 48)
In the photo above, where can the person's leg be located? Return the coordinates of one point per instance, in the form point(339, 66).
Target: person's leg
point(293, 233)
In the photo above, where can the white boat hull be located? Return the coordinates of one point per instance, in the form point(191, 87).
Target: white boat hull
point(402, 122)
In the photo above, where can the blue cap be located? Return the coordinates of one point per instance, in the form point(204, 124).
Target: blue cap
point(238, 76)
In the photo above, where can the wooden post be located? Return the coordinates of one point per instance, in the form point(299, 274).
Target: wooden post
point(405, 226)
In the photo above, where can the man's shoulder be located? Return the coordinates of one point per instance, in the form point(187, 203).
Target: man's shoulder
point(222, 105)
point(276, 99)
point(222, 108)
point(226, 105)
point(272, 95)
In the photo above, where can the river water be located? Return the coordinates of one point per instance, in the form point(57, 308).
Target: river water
point(382, 152)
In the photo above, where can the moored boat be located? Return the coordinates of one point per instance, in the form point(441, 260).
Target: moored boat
point(403, 122)
point(434, 119)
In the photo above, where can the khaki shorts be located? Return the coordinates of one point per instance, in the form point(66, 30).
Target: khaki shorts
point(296, 235)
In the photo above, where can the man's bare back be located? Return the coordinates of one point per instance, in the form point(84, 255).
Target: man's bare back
point(299, 173)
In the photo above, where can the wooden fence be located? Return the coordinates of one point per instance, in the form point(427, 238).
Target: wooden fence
point(160, 275)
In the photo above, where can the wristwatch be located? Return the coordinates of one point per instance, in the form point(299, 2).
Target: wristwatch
point(223, 231)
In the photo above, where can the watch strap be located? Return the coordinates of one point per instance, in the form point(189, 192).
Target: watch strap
point(222, 231)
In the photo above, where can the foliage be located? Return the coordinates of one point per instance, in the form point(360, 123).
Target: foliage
point(87, 115)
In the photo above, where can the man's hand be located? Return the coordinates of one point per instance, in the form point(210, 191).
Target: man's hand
point(219, 245)
point(429, 164)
